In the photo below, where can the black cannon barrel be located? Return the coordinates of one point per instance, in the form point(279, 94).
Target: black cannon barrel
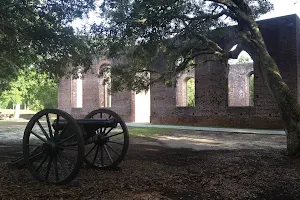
point(88, 124)
point(99, 123)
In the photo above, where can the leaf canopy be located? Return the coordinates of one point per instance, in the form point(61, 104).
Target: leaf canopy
point(163, 37)
point(39, 33)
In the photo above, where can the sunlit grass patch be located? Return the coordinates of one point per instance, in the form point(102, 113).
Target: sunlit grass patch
point(11, 111)
point(13, 122)
point(148, 131)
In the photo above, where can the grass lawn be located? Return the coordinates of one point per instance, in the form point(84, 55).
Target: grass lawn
point(13, 122)
point(11, 111)
point(147, 131)
point(133, 131)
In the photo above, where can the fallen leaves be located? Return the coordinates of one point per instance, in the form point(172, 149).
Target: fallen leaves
point(154, 173)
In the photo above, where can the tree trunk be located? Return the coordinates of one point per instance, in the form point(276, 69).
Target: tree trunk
point(286, 101)
point(17, 111)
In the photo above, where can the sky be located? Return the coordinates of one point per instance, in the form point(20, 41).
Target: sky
point(281, 8)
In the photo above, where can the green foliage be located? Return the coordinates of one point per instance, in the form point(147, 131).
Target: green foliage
point(32, 89)
point(244, 59)
point(191, 92)
point(38, 32)
point(4, 99)
point(148, 36)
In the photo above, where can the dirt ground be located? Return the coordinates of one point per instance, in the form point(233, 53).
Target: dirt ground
point(208, 140)
point(181, 165)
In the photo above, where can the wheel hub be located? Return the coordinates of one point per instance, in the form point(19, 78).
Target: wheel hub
point(101, 139)
point(50, 148)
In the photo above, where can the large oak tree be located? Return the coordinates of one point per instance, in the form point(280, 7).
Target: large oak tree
point(144, 31)
point(39, 33)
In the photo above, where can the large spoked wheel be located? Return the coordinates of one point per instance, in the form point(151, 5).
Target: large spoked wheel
point(107, 147)
point(53, 146)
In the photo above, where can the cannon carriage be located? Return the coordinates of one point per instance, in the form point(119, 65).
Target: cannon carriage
point(55, 145)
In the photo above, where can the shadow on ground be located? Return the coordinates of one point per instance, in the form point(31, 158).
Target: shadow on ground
point(156, 172)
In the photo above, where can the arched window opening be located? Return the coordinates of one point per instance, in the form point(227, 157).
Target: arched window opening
point(107, 95)
point(79, 92)
point(185, 89)
point(104, 84)
point(106, 80)
point(190, 84)
point(76, 89)
point(142, 110)
point(241, 81)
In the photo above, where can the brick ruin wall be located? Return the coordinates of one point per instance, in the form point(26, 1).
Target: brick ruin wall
point(94, 95)
point(281, 36)
point(168, 104)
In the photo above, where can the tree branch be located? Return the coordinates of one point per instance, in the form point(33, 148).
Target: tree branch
point(243, 6)
point(213, 45)
point(227, 3)
point(203, 17)
point(240, 9)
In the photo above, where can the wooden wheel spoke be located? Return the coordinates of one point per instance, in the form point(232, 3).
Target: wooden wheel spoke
point(112, 150)
point(68, 138)
point(56, 168)
point(115, 142)
point(108, 154)
point(43, 130)
point(109, 136)
point(56, 122)
point(49, 126)
point(48, 168)
point(41, 164)
point(91, 150)
point(96, 153)
point(102, 158)
point(35, 156)
point(39, 137)
point(109, 131)
point(36, 150)
point(104, 130)
point(64, 129)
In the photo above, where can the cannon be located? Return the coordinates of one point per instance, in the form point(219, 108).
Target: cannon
point(55, 145)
